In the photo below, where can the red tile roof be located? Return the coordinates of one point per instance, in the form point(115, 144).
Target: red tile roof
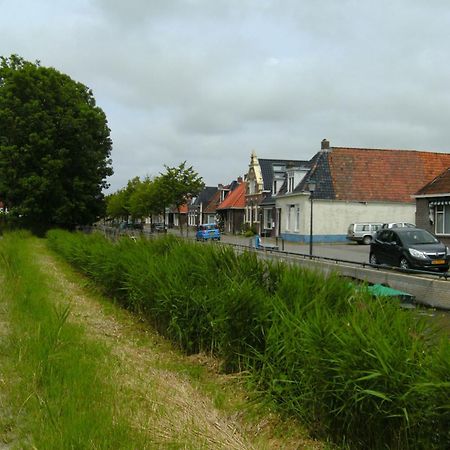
point(235, 199)
point(440, 185)
point(184, 209)
point(382, 175)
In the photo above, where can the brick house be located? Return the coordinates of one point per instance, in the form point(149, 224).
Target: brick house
point(433, 206)
point(231, 210)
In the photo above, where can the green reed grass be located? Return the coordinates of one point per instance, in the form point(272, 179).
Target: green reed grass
point(359, 370)
point(60, 382)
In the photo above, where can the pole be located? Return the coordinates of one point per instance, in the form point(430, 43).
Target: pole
point(311, 228)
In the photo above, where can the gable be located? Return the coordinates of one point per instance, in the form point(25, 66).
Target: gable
point(235, 199)
point(440, 185)
point(213, 203)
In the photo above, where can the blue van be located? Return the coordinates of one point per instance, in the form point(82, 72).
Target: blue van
point(207, 231)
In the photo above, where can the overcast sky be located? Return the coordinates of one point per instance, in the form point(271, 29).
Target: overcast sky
point(208, 81)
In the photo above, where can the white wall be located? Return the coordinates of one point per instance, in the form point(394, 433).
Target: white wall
point(331, 218)
point(334, 217)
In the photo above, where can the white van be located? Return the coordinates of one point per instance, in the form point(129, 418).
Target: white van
point(363, 233)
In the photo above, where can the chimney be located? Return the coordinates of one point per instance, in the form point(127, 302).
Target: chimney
point(325, 145)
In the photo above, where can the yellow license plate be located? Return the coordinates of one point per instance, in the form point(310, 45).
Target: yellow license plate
point(438, 261)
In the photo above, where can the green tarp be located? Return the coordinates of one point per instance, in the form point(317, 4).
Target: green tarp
point(384, 291)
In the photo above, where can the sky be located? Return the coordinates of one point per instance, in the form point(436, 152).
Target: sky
point(210, 81)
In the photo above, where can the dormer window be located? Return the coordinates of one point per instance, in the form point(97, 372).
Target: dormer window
point(291, 185)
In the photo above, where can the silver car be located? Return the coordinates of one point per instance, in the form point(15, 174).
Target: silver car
point(363, 233)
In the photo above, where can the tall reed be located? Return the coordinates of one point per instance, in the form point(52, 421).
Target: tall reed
point(356, 369)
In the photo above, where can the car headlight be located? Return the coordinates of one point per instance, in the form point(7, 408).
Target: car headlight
point(417, 254)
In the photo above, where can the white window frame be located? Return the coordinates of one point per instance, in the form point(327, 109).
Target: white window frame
point(442, 216)
point(297, 217)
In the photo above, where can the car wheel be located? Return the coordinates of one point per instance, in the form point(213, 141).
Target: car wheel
point(404, 264)
point(367, 240)
point(373, 259)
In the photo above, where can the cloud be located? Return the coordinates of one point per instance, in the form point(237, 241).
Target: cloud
point(208, 81)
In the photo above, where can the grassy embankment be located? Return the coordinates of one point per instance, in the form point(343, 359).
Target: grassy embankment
point(77, 371)
point(358, 370)
point(57, 390)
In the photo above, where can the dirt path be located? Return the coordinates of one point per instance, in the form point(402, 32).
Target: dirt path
point(161, 400)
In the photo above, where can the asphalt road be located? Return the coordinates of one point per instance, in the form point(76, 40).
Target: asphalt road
point(342, 251)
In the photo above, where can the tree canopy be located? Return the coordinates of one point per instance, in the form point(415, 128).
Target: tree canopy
point(149, 197)
point(54, 147)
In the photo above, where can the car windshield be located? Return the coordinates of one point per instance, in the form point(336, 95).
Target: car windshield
point(416, 237)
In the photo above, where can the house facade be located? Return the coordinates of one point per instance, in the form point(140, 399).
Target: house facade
point(433, 206)
point(232, 209)
point(355, 185)
point(266, 179)
point(198, 205)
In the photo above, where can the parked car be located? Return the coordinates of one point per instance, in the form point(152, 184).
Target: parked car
point(159, 227)
point(131, 226)
point(207, 231)
point(363, 233)
point(398, 225)
point(409, 248)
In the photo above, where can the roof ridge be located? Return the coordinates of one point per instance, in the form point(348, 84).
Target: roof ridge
point(389, 150)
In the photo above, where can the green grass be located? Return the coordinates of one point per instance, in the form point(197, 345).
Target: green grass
point(357, 370)
point(59, 382)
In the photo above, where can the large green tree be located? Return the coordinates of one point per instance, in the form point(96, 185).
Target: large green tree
point(54, 147)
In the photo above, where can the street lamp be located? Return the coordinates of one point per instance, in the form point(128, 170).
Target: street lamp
point(311, 188)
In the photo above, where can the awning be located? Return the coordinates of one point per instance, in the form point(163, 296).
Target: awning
point(439, 202)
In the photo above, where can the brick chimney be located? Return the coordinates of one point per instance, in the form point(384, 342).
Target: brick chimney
point(325, 145)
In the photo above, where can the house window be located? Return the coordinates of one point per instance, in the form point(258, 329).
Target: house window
point(275, 190)
point(255, 214)
point(268, 219)
point(442, 219)
point(290, 182)
point(297, 218)
point(290, 218)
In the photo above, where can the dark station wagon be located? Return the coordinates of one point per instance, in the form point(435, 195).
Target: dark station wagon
point(409, 248)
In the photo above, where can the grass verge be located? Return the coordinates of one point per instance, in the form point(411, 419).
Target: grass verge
point(57, 383)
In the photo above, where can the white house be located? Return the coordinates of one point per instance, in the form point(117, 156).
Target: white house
point(355, 185)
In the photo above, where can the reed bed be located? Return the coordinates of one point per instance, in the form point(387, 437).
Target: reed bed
point(357, 370)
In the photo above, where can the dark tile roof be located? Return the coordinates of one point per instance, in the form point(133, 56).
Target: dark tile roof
point(213, 203)
point(320, 172)
point(440, 185)
point(205, 195)
point(358, 174)
point(267, 168)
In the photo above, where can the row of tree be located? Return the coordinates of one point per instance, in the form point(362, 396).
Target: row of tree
point(55, 151)
point(149, 197)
